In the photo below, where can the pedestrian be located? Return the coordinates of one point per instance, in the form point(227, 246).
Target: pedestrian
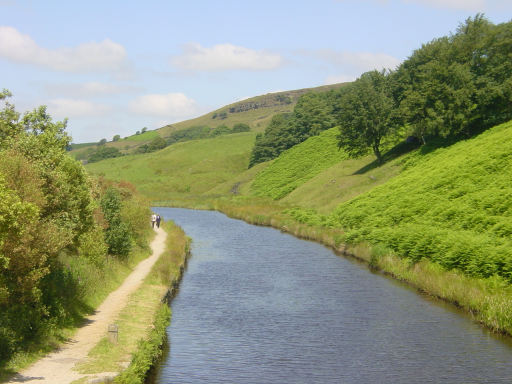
point(153, 220)
point(158, 218)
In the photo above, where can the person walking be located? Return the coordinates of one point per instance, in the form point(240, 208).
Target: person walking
point(153, 220)
point(158, 218)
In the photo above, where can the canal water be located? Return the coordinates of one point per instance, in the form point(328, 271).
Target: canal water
point(260, 306)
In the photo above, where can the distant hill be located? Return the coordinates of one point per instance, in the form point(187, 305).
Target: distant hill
point(255, 112)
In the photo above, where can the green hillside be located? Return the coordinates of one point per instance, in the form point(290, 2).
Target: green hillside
point(297, 165)
point(193, 167)
point(452, 205)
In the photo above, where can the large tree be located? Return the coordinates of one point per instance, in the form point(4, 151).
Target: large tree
point(366, 114)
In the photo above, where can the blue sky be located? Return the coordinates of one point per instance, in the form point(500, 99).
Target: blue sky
point(114, 67)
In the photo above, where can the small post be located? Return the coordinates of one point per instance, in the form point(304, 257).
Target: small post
point(112, 333)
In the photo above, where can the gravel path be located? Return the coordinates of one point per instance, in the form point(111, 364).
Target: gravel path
point(57, 367)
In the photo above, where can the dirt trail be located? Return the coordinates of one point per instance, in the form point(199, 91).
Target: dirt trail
point(56, 368)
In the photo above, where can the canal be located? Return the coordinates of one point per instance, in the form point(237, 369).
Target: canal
point(260, 306)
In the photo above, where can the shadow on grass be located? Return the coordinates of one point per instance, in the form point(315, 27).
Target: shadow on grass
point(433, 143)
point(397, 151)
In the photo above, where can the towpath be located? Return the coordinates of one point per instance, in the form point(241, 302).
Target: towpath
point(57, 367)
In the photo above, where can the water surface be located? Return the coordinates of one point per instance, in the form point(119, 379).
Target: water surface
point(260, 306)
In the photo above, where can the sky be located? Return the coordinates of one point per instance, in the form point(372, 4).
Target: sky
point(115, 67)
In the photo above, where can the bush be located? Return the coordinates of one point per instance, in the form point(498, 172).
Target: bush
point(104, 152)
point(117, 234)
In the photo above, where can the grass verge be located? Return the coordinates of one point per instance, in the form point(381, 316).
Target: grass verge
point(142, 323)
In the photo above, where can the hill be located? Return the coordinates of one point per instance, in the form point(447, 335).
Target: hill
point(189, 168)
point(256, 112)
point(451, 205)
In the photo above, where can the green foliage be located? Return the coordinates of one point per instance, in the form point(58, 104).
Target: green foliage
point(92, 246)
point(458, 84)
point(49, 208)
point(366, 117)
point(297, 165)
point(240, 127)
point(104, 152)
point(274, 141)
point(52, 242)
point(203, 132)
point(192, 133)
point(116, 138)
point(155, 144)
point(221, 130)
point(117, 236)
point(312, 114)
point(452, 206)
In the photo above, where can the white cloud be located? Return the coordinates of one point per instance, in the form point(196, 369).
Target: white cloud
point(76, 108)
point(103, 56)
point(171, 105)
point(225, 57)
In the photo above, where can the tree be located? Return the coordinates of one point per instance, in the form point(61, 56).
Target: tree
point(9, 118)
point(458, 84)
point(273, 141)
point(117, 234)
point(116, 138)
point(220, 130)
point(156, 144)
point(104, 152)
point(240, 127)
point(102, 142)
point(144, 130)
point(312, 115)
point(45, 207)
point(366, 114)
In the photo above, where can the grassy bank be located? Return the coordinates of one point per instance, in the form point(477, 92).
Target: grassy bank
point(143, 321)
point(488, 300)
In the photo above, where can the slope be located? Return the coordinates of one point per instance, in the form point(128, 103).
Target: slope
point(452, 205)
point(189, 168)
point(297, 165)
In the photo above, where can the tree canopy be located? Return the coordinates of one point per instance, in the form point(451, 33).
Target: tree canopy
point(366, 115)
point(49, 210)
